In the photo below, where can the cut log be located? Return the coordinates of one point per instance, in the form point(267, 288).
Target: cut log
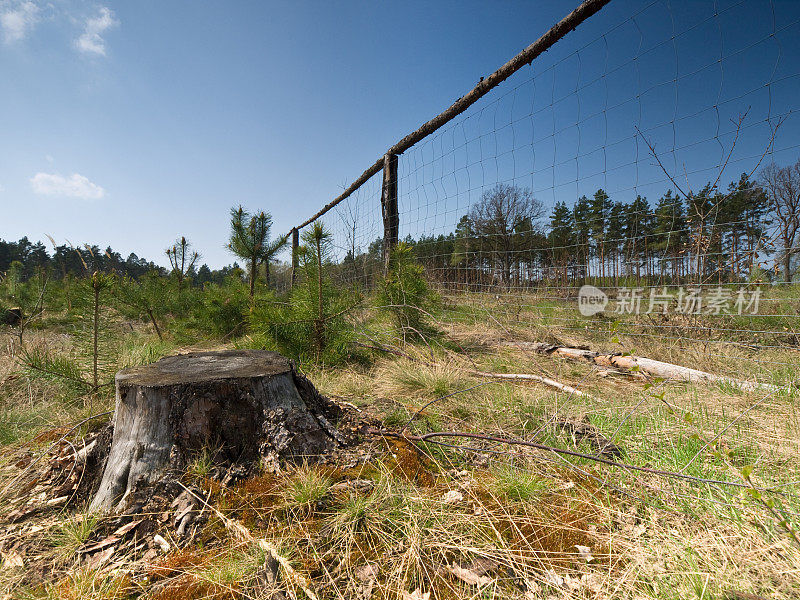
point(654, 368)
point(238, 405)
point(665, 370)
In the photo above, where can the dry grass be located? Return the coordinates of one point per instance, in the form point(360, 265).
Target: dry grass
point(29, 406)
point(519, 526)
point(671, 556)
point(694, 541)
point(219, 574)
point(520, 517)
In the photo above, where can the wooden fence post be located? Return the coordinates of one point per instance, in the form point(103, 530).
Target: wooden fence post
point(586, 9)
point(295, 246)
point(391, 217)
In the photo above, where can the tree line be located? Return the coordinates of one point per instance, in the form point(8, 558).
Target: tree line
point(748, 230)
point(24, 259)
point(711, 235)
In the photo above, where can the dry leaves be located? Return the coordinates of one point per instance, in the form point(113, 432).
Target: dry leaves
point(368, 576)
point(468, 576)
point(162, 543)
point(585, 552)
point(11, 560)
point(453, 497)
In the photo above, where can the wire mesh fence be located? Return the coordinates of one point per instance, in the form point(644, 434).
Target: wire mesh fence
point(645, 156)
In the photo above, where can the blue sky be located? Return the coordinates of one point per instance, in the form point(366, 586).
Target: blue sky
point(132, 123)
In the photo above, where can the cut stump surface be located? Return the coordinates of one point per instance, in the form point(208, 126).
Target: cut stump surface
point(237, 405)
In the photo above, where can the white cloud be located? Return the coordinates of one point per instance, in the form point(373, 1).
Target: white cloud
point(74, 186)
point(91, 41)
point(17, 18)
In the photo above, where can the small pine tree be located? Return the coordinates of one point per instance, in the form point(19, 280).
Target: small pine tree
point(312, 325)
point(144, 298)
point(99, 283)
point(182, 259)
point(405, 294)
point(249, 240)
point(222, 308)
point(23, 300)
point(93, 361)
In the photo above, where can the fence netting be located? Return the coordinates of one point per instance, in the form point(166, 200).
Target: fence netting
point(636, 156)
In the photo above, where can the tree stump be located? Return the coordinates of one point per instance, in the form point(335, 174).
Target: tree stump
point(239, 405)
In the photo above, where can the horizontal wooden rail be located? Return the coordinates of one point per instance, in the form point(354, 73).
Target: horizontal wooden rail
point(526, 57)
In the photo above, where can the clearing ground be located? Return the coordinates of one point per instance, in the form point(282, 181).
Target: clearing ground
point(394, 516)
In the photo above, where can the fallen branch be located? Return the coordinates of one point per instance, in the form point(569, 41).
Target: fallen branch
point(510, 376)
point(429, 438)
point(655, 368)
point(530, 377)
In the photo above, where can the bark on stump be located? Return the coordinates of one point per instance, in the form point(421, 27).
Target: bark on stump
point(242, 404)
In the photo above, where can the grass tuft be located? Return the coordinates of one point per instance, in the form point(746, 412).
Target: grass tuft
point(75, 532)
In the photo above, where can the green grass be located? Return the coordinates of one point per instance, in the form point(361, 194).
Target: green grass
point(396, 419)
point(17, 425)
point(516, 484)
point(307, 486)
point(74, 533)
point(703, 538)
point(202, 464)
point(233, 569)
point(141, 350)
